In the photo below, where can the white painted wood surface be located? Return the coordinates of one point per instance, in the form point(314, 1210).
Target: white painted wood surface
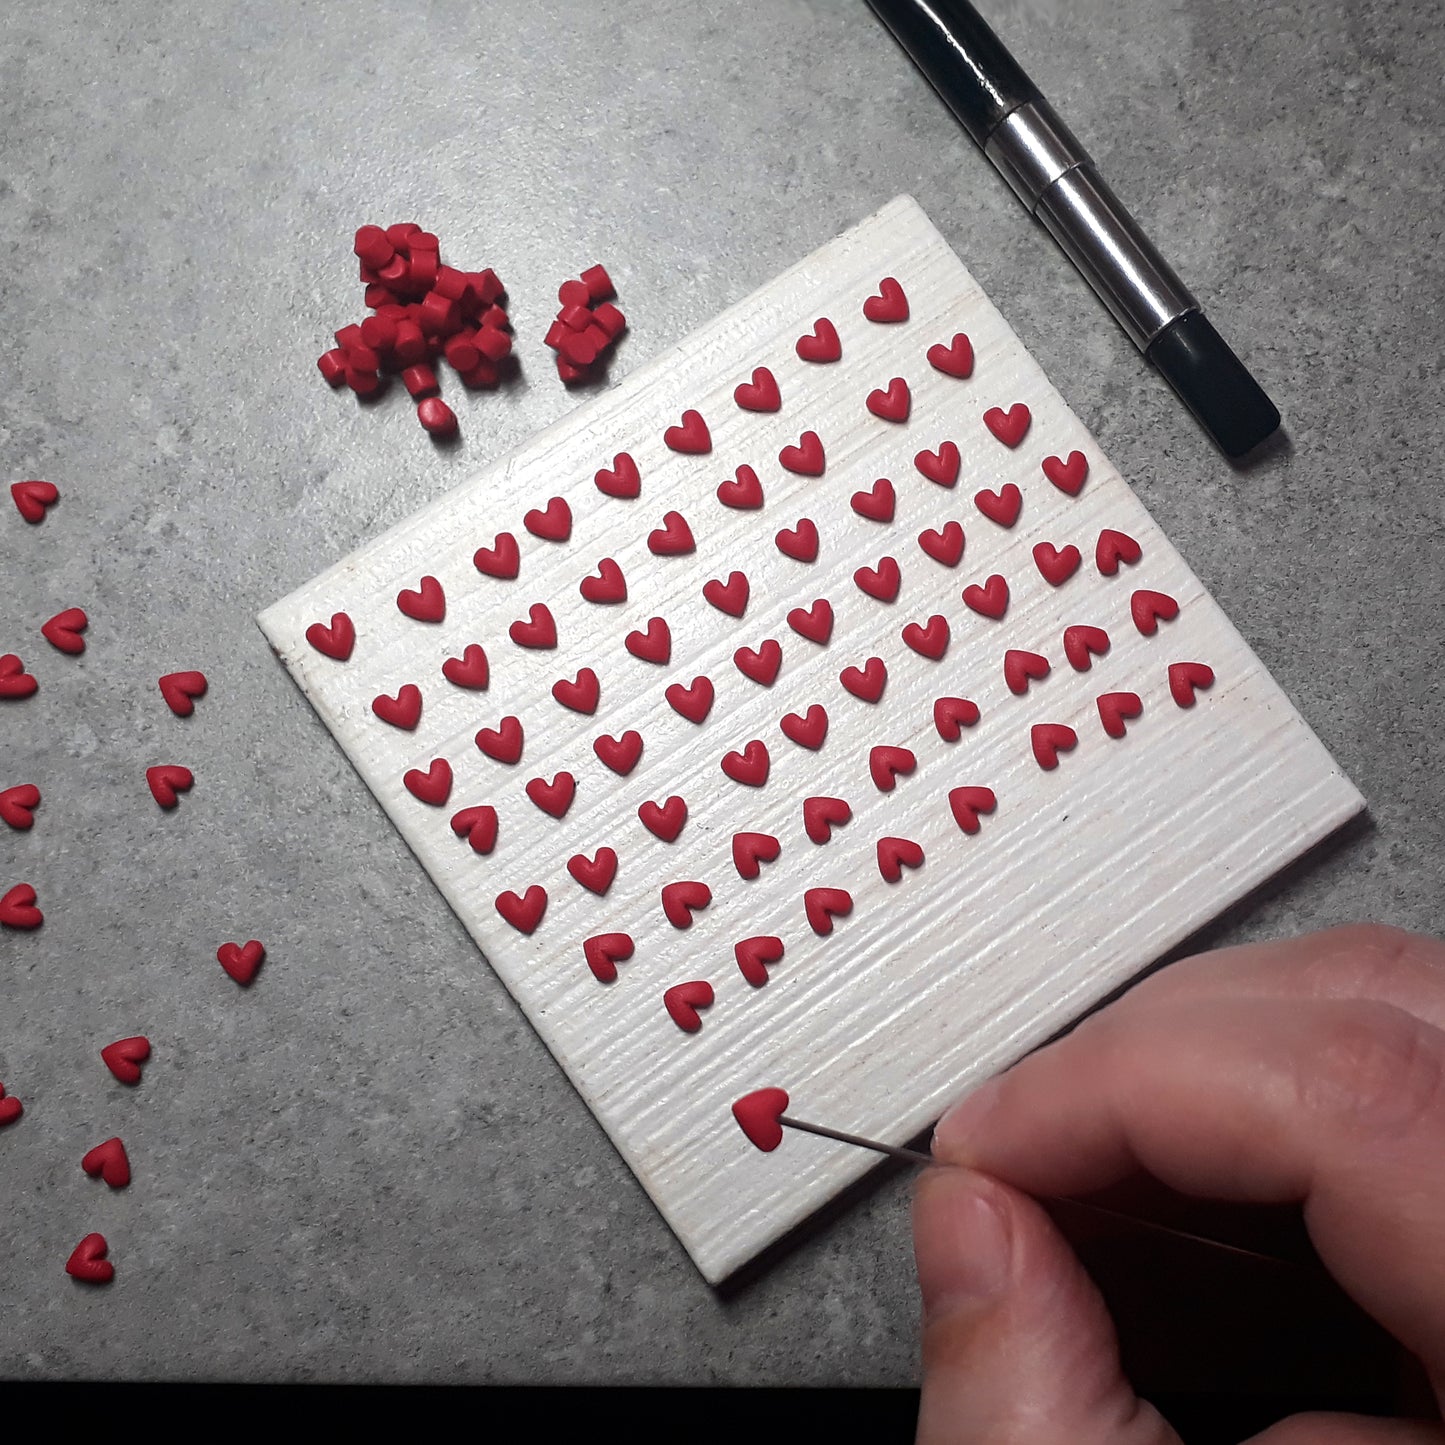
point(1082, 876)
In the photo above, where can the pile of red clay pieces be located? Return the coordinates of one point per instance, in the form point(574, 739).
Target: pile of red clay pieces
point(587, 324)
point(422, 311)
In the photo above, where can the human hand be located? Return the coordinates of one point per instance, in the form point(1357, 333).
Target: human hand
point(1311, 1070)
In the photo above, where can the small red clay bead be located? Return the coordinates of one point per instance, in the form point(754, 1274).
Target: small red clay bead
point(601, 338)
point(483, 374)
point(395, 270)
point(575, 318)
point(436, 416)
point(452, 284)
point(393, 310)
point(420, 380)
point(496, 316)
point(422, 268)
point(493, 343)
point(420, 240)
point(332, 365)
point(574, 293)
point(378, 332)
point(363, 383)
point(368, 274)
point(401, 233)
point(410, 345)
point(555, 332)
point(610, 319)
point(598, 283)
point(568, 372)
point(578, 347)
point(348, 337)
point(438, 316)
point(372, 246)
point(461, 350)
point(362, 357)
point(378, 296)
point(488, 286)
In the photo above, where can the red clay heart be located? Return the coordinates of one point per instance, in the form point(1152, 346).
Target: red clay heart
point(758, 1114)
point(1056, 564)
point(990, 600)
point(180, 689)
point(886, 762)
point(604, 951)
point(1020, 668)
point(664, 820)
point(554, 797)
point(502, 559)
point(1115, 710)
point(890, 304)
point(1009, 426)
point(752, 850)
point(619, 754)
point(808, 731)
point(433, 786)
point(524, 913)
point(893, 404)
point(241, 962)
point(1080, 641)
point(968, 803)
point(18, 910)
point(955, 359)
point(478, 826)
point(867, 681)
point(693, 702)
point(691, 436)
point(32, 498)
point(1002, 506)
point(125, 1056)
point(673, 538)
point(1148, 609)
point(815, 622)
point(654, 645)
point(823, 905)
point(1048, 740)
point(931, 640)
point(876, 504)
point(503, 742)
point(896, 854)
point(881, 581)
point(1115, 547)
point(166, 781)
point(17, 805)
point(800, 542)
point(108, 1161)
point(761, 663)
point(681, 900)
point(806, 459)
point(553, 524)
point(683, 1000)
point(744, 493)
point(609, 585)
point(538, 631)
point(622, 480)
point(951, 715)
point(822, 344)
point(428, 603)
point(10, 1108)
point(944, 545)
point(730, 596)
point(755, 954)
point(88, 1263)
point(580, 693)
point(596, 873)
point(1068, 476)
point(63, 633)
point(336, 641)
point(822, 815)
point(749, 766)
point(401, 711)
point(470, 670)
point(15, 682)
point(760, 394)
point(940, 466)
point(1184, 678)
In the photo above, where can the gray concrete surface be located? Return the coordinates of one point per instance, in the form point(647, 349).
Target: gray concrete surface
point(367, 1167)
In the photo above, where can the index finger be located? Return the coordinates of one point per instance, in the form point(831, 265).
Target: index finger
point(1339, 1104)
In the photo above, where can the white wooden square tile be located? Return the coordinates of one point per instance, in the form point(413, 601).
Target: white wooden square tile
point(1080, 875)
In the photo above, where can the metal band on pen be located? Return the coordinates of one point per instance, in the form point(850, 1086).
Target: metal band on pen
point(1051, 173)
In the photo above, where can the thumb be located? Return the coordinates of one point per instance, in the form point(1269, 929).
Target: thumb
point(1017, 1343)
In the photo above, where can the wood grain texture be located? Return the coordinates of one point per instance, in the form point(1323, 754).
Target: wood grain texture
point(1081, 877)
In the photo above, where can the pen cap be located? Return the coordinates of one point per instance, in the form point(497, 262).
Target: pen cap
point(1213, 383)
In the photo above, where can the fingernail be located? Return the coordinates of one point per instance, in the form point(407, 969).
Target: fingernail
point(970, 1250)
point(961, 1122)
